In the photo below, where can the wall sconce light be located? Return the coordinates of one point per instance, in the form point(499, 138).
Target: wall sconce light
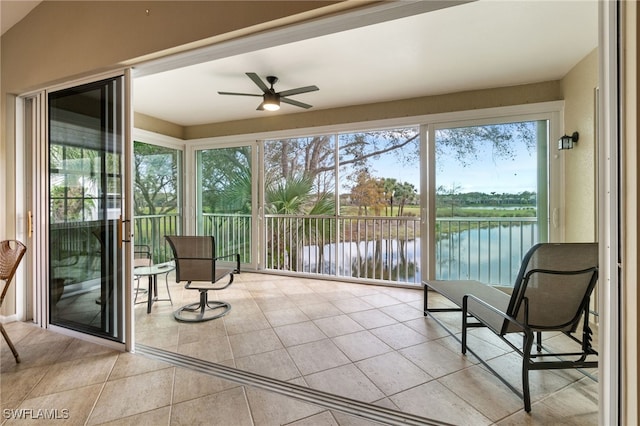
point(566, 142)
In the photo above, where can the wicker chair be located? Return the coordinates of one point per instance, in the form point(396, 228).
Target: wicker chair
point(11, 253)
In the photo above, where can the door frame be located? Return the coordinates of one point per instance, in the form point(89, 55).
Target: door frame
point(32, 202)
point(616, 339)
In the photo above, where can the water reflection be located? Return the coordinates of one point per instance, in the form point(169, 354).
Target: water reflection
point(490, 254)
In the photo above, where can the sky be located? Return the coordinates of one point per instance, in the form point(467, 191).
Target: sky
point(486, 174)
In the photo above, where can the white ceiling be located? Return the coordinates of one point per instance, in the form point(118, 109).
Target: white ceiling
point(476, 45)
point(481, 44)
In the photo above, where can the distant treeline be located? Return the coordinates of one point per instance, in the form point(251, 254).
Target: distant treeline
point(525, 198)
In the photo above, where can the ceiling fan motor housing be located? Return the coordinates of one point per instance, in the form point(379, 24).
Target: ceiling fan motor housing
point(271, 98)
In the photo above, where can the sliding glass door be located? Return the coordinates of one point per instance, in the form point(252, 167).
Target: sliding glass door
point(85, 197)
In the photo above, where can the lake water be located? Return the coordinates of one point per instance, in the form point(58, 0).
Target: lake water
point(492, 255)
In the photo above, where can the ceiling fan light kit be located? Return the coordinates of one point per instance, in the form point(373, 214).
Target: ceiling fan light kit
point(270, 98)
point(271, 102)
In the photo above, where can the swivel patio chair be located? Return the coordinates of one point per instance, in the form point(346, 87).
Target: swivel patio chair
point(197, 264)
point(11, 253)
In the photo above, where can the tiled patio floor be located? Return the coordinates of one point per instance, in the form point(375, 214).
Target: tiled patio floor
point(369, 343)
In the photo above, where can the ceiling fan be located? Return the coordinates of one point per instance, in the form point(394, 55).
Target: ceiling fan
point(270, 98)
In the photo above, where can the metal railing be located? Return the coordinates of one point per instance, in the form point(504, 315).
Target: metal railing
point(150, 230)
point(75, 251)
point(489, 250)
point(232, 233)
point(379, 248)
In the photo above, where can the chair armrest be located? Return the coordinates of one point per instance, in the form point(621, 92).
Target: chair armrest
point(556, 272)
point(237, 260)
point(465, 312)
point(210, 286)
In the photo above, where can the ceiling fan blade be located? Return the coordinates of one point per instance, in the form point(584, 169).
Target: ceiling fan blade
point(299, 90)
point(260, 107)
point(237, 94)
point(258, 81)
point(296, 103)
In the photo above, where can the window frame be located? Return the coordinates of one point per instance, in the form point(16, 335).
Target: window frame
point(551, 111)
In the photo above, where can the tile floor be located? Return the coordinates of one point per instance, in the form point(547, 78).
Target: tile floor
point(369, 343)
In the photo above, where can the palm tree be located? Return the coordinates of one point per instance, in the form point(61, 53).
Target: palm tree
point(296, 196)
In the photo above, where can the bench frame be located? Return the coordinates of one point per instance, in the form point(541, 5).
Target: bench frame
point(580, 360)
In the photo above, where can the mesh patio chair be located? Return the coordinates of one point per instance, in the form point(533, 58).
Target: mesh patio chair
point(11, 253)
point(551, 294)
point(197, 264)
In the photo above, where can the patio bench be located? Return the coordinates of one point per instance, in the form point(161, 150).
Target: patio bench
point(551, 293)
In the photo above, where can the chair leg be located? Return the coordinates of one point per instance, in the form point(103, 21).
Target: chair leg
point(464, 325)
point(426, 302)
point(10, 343)
point(137, 291)
point(464, 335)
point(204, 310)
point(203, 302)
point(166, 284)
point(526, 358)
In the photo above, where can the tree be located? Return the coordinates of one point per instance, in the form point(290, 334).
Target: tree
point(398, 193)
point(289, 196)
point(156, 179)
point(449, 195)
point(368, 192)
point(389, 185)
point(405, 193)
point(297, 196)
point(225, 180)
point(462, 143)
point(316, 156)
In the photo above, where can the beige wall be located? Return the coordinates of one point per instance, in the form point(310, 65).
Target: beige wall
point(156, 125)
point(58, 41)
point(578, 88)
point(62, 40)
point(477, 99)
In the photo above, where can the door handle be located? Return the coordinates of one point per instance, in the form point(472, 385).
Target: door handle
point(29, 224)
point(121, 223)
